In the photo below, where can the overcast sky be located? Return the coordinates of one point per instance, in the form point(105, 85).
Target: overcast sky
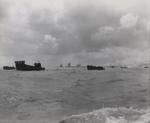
point(77, 31)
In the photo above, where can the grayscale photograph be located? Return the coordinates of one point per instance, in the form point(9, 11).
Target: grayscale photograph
point(74, 61)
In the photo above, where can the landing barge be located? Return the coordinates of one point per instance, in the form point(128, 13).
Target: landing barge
point(20, 65)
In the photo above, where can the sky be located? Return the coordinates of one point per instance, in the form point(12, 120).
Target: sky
point(99, 32)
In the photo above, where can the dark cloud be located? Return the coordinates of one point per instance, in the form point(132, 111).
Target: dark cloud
point(74, 29)
point(90, 29)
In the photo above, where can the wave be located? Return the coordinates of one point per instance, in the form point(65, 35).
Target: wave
point(112, 115)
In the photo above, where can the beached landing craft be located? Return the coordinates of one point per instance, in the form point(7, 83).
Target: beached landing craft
point(20, 65)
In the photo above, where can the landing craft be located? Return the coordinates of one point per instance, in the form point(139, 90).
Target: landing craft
point(20, 65)
point(61, 65)
point(8, 68)
point(91, 67)
point(123, 67)
point(69, 64)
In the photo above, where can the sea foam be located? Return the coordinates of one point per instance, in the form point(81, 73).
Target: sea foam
point(112, 115)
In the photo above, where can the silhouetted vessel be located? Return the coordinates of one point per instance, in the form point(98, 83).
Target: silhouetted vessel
point(91, 67)
point(61, 65)
point(123, 67)
point(20, 65)
point(69, 64)
point(8, 68)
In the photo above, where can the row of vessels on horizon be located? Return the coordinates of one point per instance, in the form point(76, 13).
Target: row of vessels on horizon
point(22, 66)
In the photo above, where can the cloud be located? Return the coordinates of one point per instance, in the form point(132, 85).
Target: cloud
point(2, 10)
point(75, 27)
point(77, 31)
point(115, 56)
point(128, 21)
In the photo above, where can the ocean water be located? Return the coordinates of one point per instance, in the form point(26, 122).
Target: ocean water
point(75, 95)
point(112, 115)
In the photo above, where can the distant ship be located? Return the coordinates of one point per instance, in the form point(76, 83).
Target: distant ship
point(20, 65)
point(8, 68)
point(91, 67)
